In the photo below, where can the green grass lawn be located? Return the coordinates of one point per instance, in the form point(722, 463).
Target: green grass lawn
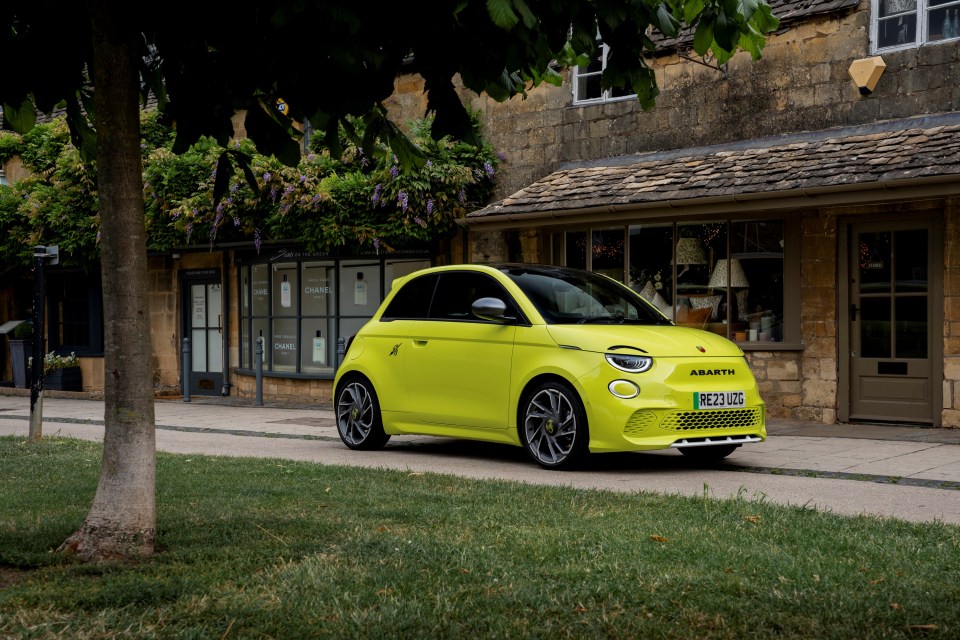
point(278, 549)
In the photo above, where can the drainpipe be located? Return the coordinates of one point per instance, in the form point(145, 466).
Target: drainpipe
point(225, 326)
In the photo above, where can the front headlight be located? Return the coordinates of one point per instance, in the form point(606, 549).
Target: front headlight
point(629, 363)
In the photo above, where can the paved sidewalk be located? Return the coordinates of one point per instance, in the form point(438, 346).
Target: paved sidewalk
point(913, 473)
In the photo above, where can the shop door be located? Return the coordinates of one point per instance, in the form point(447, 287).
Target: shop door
point(203, 318)
point(891, 327)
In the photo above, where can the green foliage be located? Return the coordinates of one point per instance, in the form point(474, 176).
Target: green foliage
point(23, 331)
point(358, 200)
point(11, 144)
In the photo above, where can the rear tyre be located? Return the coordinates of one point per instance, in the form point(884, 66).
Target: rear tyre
point(709, 454)
point(553, 426)
point(359, 422)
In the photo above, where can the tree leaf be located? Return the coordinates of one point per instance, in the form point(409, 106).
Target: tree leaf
point(666, 23)
point(501, 12)
point(22, 118)
point(692, 9)
point(703, 37)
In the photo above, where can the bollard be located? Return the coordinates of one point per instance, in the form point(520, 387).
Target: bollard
point(341, 351)
point(186, 369)
point(258, 359)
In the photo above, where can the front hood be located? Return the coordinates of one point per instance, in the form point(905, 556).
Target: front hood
point(658, 341)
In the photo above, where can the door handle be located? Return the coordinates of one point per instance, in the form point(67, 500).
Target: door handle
point(419, 343)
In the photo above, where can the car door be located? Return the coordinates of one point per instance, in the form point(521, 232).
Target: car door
point(458, 366)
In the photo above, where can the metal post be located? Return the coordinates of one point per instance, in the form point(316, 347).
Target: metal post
point(185, 365)
point(36, 369)
point(258, 359)
point(341, 351)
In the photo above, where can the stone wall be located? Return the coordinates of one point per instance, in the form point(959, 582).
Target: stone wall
point(802, 83)
point(818, 318)
point(951, 314)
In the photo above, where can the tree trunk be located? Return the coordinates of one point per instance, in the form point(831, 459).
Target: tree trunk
point(121, 523)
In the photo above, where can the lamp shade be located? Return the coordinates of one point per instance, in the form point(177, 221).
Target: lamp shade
point(690, 251)
point(718, 279)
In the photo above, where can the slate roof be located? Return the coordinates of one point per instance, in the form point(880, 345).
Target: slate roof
point(870, 156)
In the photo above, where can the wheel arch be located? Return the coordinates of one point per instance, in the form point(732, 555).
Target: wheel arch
point(534, 382)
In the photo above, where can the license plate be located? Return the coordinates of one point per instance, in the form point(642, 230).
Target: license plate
point(719, 400)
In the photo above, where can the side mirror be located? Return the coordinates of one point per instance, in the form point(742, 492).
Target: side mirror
point(490, 309)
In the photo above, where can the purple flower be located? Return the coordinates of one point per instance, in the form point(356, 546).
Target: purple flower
point(267, 176)
point(394, 171)
point(376, 193)
point(462, 196)
point(219, 209)
point(273, 194)
point(489, 169)
point(257, 240)
point(288, 190)
point(402, 200)
point(419, 221)
point(430, 206)
point(234, 187)
point(312, 157)
point(303, 179)
point(429, 163)
point(236, 221)
point(376, 243)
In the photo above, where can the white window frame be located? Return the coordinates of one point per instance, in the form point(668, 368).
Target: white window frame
point(605, 96)
point(923, 31)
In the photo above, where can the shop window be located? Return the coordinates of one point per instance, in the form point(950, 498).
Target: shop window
point(302, 307)
point(901, 24)
point(728, 276)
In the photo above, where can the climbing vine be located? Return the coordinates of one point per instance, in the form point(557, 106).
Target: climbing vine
point(362, 199)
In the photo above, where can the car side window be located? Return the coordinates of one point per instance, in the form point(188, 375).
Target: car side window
point(457, 291)
point(412, 301)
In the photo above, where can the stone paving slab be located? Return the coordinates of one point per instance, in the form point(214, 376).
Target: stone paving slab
point(917, 480)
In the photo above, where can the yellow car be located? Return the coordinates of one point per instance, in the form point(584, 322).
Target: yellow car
point(559, 361)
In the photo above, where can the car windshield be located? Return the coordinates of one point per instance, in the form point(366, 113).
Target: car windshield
point(568, 296)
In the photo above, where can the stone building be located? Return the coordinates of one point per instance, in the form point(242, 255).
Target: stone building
point(809, 199)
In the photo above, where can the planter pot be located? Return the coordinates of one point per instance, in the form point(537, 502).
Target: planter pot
point(20, 351)
point(66, 379)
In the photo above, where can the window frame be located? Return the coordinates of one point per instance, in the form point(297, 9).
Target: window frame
point(605, 94)
point(74, 281)
point(922, 35)
point(792, 338)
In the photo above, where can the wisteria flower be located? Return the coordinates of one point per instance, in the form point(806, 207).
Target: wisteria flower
point(394, 171)
point(430, 206)
point(402, 200)
point(267, 176)
point(376, 193)
point(489, 169)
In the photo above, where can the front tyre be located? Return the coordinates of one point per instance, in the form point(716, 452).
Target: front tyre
point(553, 426)
point(359, 422)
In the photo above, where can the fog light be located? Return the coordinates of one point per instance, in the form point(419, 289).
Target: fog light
point(624, 389)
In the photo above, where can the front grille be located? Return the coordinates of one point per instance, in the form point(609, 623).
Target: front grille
point(712, 419)
point(639, 422)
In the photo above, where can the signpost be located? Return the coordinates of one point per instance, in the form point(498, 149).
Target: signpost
point(41, 255)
